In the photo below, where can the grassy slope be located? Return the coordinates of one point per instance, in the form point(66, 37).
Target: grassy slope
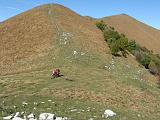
point(133, 29)
point(86, 85)
point(24, 38)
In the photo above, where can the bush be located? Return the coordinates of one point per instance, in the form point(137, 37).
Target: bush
point(116, 41)
point(131, 46)
point(123, 43)
point(110, 34)
point(119, 43)
point(114, 46)
point(101, 25)
point(145, 60)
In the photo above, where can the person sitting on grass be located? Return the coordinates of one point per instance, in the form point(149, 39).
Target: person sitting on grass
point(55, 73)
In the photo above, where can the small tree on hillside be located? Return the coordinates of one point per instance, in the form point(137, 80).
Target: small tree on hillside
point(131, 46)
point(110, 34)
point(114, 46)
point(101, 25)
point(145, 60)
point(123, 43)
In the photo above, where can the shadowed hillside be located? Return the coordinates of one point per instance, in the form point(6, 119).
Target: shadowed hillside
point(133, 29)
point(53, 36)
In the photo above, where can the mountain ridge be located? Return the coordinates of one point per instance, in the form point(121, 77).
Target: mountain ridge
point(136, 30)
point(129, 16)
point(36, 33)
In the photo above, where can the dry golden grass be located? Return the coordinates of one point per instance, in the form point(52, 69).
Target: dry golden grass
point(32, 34)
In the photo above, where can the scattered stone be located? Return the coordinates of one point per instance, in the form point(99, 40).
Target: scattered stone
point(82, 110)
point(90, 119)
point(17, 114)
point(24, 103)
point(78, 112)
point(65, 37)
point(75, 52)
point(46, 116)
point(18, 118)
point(108, 113)
point(48, 108)
point(74, 110)
point(14, 107)
point(8, 117)
point(139, 115)
point(35, 103)
point(82, 53)
point(31, 116)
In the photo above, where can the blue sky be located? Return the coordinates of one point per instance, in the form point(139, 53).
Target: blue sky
point(147, 11)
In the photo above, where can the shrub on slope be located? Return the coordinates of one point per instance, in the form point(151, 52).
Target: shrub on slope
point(119, 43)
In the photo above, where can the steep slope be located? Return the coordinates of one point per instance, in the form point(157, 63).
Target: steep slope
point(27, 38)
point(143, 34)
point(24, 36)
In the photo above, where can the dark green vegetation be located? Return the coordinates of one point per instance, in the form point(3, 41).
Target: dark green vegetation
point(119, 44)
